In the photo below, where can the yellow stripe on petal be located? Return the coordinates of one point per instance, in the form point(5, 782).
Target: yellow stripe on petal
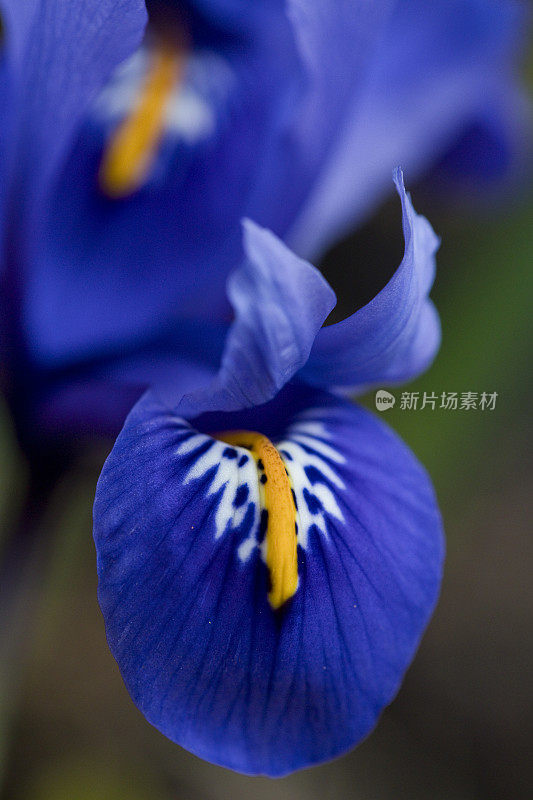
point(132, 148)
point(280, 537)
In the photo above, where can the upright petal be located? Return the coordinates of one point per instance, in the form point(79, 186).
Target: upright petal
point(396, 335)
point(280, 303)
point(433, 71)
point(183, 585)
point(335, 46)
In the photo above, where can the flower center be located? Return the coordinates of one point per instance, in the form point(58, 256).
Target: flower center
point(131, 150)
point(278, 503)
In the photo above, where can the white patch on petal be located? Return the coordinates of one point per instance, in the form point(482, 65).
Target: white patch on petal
point(315, 500)
point(311, 464)
point(246, 548)
point(194, 106)
point(227, 479)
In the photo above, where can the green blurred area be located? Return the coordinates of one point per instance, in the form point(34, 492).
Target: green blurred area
point(483, 292)
point(462, 726)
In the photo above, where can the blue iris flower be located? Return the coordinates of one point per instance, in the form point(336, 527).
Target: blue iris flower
point(269, 554)
point(291, 114)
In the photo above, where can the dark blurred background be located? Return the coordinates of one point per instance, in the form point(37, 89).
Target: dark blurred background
point(462, 725)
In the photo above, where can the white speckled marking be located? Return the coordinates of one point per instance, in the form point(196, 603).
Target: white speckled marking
point(315, 501)
point(192, 109)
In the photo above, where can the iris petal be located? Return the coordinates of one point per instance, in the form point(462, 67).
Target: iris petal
point(395, 336)
point(270, 132)
point(184, 588)
point(194, 207)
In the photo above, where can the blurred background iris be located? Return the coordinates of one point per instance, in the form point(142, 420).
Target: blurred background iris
point(462, 725)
